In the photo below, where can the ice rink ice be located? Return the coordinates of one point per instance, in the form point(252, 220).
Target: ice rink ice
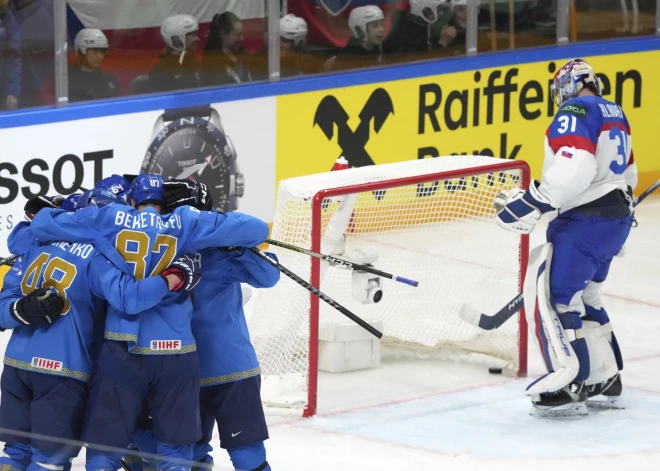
point(436, 415)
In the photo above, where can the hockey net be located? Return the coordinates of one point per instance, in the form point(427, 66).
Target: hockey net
point(430, 220)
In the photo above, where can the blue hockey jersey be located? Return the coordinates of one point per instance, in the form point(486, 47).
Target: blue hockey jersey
point(588, 153)
point(149, 242)
point(84, 280)
point(218, 324)
point(20, 239)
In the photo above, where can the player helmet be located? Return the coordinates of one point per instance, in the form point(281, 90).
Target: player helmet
point(117, 185)
point(360, 17)
point(571, 79)
point(90, 38)
point(175, 28)
point(98, 197)
point(147, 188)
point(426, 9)
point(293, 28)
point(71, 202)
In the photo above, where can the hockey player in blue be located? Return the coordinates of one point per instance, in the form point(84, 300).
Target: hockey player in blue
point(51, 298)
point(589, 174)
point(229, 369)
point(152, 355)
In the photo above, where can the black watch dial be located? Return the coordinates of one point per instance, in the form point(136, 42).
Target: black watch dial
point(190, 141)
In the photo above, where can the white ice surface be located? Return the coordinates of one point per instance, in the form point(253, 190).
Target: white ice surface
point(434, 415)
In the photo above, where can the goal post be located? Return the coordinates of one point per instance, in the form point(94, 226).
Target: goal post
point(431, 220)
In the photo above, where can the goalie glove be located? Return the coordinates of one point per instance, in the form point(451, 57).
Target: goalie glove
point(40, 307)
point(189, 269)
point(37, 203)
point(521, 210)
point(186, 192)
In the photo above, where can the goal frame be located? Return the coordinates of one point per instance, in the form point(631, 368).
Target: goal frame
point(316, 234)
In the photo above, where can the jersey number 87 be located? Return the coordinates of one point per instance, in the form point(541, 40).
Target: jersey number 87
point(134, 248)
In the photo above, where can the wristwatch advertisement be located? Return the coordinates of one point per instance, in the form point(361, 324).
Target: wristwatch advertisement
point(194, 137)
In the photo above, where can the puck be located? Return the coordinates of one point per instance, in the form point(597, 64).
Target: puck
point(495, 371)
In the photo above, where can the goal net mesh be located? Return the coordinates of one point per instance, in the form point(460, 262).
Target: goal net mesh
point(422, 225)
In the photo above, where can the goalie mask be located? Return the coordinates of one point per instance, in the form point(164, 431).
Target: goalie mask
point(571, 79)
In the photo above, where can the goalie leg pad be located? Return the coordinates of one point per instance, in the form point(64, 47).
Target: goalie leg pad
point(560, 358)
point(603, 329)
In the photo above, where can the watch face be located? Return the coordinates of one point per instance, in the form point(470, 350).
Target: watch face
point(191, 141)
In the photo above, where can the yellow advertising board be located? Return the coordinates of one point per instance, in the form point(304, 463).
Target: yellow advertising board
point(502, 112)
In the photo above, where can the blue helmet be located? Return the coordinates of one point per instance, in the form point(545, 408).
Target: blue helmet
point(117, 185)
point(147, 188)
point(71, 202)
point(98, 197)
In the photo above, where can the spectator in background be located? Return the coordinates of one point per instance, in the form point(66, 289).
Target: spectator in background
point(177, 68)
point(419, 29)
point(293, 35)
point(225, 61)
point(454, 33)
point(364, 48)
point(11, 62)
point(86, 80)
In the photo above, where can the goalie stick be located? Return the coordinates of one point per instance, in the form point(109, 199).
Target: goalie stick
point(365, 325)
point(344, 263)
point(490, 322)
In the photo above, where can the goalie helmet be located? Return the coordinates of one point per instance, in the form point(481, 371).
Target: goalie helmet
point(98, 197)
point(571, 79)
point(293, 28)
point(147, 188)
point(426, 9)
point(175, 28)
point(90, 38)
point(360, 17)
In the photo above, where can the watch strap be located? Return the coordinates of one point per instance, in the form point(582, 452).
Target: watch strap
point(177, 113)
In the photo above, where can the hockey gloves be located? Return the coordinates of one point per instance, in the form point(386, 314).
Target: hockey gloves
point(519, 210)
point(40, 307)
point(189, 269)
point(37, 203)
point(186, 192)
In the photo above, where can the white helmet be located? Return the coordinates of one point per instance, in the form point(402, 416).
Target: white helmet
point(294, 28)
point(360, 17)
point(426, 9)
point(89, 38)
point(571, 79)
point(175, 28)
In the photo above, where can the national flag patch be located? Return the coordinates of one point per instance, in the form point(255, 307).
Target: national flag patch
point(568, 155)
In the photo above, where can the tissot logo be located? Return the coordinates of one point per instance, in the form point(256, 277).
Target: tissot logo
point(353, 142)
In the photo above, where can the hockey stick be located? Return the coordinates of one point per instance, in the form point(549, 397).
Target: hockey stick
point(365, 325)
point(490, 322)
point(344, 263)
point(9, 261)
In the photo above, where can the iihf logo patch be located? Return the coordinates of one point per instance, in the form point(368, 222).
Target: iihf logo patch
point(46, 364)
point(160, 345)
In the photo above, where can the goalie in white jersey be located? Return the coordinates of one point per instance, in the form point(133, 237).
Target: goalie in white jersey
point(588, 176)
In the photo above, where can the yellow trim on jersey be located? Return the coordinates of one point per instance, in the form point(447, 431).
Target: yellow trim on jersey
point(148, 351)
point(212, 381)
point(120, 337)
point(8, 467)
point(23, 365)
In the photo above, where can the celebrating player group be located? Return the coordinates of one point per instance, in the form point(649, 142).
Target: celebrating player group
point(129, 332)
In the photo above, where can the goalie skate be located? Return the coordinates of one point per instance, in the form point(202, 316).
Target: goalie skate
point(606, 395)
point(567, 402)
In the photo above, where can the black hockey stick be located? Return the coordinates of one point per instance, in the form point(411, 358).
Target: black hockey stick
point(344, 263)
point(491, 322)
point(365, 325)
point(9, 261)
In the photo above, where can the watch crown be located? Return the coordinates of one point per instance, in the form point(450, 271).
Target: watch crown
point(240, 185)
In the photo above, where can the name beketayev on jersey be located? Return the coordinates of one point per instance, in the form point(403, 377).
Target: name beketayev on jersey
point(150, 242)
point(218, 324)
point(588, 153)
point(84, 280)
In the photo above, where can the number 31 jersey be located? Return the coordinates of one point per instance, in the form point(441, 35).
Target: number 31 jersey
point(588, 153)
